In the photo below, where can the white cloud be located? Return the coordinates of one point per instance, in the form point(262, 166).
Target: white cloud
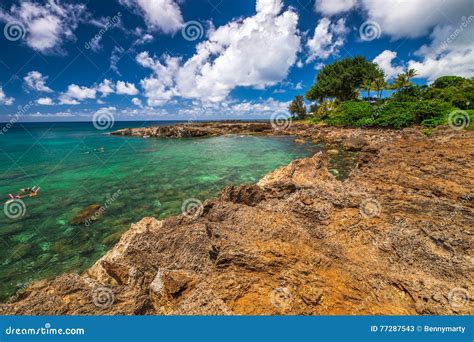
point(47, 25)
point(45, 101)
point(385, 60)
point(106, 87)
point(327, 39)
point(451, 51)
point(36, 81)
point(256, 52)
point(159, 15)
point(332, 7)
point(4, 99)
point(414, 18)
point(137, 102)
point(126, 88)
point(76, 93)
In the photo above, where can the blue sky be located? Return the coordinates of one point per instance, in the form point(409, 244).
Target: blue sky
point(210, 59)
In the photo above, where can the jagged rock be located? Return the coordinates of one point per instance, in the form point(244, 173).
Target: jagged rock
point(394, 238)
point(354, 143)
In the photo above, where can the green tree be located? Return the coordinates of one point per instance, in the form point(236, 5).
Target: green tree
point(410, 73)
point(313, 108)
point(342, 79)
point(367, 85)
point(380, 85)
point(400, 82)
point(297, 107)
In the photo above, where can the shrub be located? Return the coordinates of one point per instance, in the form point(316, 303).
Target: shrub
point(431, 109)
point(448, 81)
point(394, 114)
point(350, 113)
point(325, 108)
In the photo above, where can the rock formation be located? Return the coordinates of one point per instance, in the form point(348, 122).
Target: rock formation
point(394, 238)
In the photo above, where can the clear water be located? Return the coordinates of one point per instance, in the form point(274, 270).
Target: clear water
point(147, 177)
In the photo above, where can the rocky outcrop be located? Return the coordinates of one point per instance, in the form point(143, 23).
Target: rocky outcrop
point(394, 238)
point(187, 130)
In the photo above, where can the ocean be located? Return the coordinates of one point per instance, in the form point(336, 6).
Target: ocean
point(76, 166)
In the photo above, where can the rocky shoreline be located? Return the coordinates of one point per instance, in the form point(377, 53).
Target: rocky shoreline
point(396, 237)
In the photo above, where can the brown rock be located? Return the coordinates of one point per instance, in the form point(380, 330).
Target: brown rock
point(354, 143)
point(85, 215)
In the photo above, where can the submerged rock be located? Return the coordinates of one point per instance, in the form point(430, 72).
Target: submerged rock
point(85, 215)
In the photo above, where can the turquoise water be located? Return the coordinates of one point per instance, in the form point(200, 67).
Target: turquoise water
point(136, 178)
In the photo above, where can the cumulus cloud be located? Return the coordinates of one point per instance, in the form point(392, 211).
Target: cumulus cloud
point(257, 51)
point(106, 87)
point(159, 15)
point(4, 99)
point(137, 102)
point(126, 88)
point(75, 94)
point(451, 51)
point(414, 18)
point(36, 81)
point(327, 39)
point(385, 61)
point(46, 25)
point(45, 101)
point(333, 7)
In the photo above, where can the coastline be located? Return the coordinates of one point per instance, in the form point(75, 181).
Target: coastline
point(299, 241)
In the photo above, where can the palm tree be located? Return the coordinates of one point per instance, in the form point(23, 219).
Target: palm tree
point(368, 86)
point(410, 73)
point(379, 84)
point(400, 82)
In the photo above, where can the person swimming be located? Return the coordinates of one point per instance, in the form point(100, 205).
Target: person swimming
point(25, 192)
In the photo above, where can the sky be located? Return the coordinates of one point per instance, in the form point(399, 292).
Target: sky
point(210, 59)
